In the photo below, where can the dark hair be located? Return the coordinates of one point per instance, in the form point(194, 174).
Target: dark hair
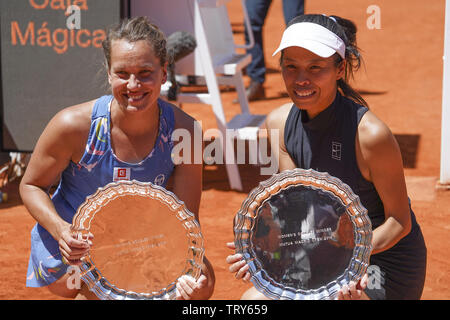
point(132, 30)
point(346, 30)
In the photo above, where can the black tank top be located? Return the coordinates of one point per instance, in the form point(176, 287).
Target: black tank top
point(327, 144)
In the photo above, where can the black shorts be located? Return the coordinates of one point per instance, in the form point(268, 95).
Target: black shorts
point(399, 273)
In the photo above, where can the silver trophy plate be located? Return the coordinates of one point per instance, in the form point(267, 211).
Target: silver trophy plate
point(144, 240)
point(304, 234)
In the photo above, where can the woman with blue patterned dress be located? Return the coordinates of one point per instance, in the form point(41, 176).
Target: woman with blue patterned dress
point(126, 135)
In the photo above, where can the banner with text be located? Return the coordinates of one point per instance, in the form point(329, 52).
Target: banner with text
point(51, 58)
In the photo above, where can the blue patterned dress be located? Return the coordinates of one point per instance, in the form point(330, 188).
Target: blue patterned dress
point(97, 167)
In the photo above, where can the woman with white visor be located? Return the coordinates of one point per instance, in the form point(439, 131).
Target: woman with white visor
point(329, 128)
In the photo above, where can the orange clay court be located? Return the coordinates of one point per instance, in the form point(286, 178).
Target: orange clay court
point(402, 82)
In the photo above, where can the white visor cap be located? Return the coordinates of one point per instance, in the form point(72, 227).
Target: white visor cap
point(312, 37)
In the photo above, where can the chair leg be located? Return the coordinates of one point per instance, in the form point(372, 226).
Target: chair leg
point(240, 89)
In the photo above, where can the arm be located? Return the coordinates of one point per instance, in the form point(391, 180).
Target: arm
point(276, 120)
point(186, 183)
point(59, 143)
point(380, 161)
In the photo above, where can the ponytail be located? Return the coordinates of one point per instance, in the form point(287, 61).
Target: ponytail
point(353, 59)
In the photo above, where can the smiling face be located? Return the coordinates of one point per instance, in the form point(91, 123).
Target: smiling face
point(135, 75)
point(311, 81)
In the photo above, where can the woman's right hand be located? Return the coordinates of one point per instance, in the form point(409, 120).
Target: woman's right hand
point(71, 248)
point(237, 264)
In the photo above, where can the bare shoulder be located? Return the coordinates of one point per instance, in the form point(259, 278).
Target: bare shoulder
point(277, 117)
point(373, 133)
point(64, 137)
point(74, 119)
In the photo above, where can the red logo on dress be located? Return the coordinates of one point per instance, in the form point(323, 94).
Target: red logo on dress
point(121, 173)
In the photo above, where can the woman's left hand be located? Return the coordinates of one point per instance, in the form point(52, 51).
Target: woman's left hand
point(238, 265)
point(190, 289)
point(354, 291)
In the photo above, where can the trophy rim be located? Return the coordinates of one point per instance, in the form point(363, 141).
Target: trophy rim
point(245, 220)
point(86, 212)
